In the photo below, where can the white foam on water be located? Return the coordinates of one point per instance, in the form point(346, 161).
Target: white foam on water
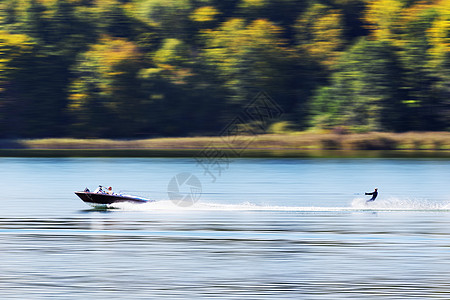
point(199, 206)
point(394, 203)
point(357, 204)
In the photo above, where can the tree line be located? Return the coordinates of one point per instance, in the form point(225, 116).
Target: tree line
point(144, 68)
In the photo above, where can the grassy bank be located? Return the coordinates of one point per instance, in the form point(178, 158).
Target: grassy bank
point(287, 145)
point(294, 141)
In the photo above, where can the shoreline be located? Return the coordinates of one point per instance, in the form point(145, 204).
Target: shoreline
point(297, 144)
point(227, 154)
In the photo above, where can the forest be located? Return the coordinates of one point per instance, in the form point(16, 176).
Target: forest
point(155, 68)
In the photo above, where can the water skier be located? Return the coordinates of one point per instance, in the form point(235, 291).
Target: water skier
point(374, 195)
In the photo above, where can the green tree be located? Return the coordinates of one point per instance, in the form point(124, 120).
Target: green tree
point(114, 21)
point(172, 18)
point(35, 23)
point(8, 14)
point(281, 12)
point(413, 44)
point(439, 36)
point(363, 94)
point(173, 52)
point(249, 58)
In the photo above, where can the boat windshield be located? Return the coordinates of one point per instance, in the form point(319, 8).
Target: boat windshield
point(104, 190)
point(99, 190)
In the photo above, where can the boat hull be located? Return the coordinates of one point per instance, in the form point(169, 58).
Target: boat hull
point(97, 199)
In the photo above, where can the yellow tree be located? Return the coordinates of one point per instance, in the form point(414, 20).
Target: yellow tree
point(15, 99)
point(417, 30)
point(382, 17)
point(204, 14)
point(204, 17)
point(247, 57)
point(320, 34)
point(106, 95)
point(236, 44)
point(173, 61)
point(13, 49)
point(439, 37)
point(250, 57)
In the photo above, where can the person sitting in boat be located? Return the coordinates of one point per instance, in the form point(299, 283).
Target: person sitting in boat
point(374, 195)
point(99, 190)
point(109, 191)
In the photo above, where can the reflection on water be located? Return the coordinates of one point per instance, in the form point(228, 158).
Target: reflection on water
point(238, 243)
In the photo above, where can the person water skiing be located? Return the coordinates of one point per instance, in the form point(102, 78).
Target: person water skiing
point(374, 195)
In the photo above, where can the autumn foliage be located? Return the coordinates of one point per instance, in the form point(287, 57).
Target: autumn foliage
point(146, 68)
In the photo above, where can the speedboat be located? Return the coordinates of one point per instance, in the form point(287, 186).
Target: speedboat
point(106, 198)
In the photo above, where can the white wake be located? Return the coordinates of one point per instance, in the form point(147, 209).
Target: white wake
point(357, 204)
point(394, 203)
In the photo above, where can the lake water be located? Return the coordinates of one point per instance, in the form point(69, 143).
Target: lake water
point(265, 229)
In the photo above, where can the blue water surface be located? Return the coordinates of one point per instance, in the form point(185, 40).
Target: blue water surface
point(262, 229)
